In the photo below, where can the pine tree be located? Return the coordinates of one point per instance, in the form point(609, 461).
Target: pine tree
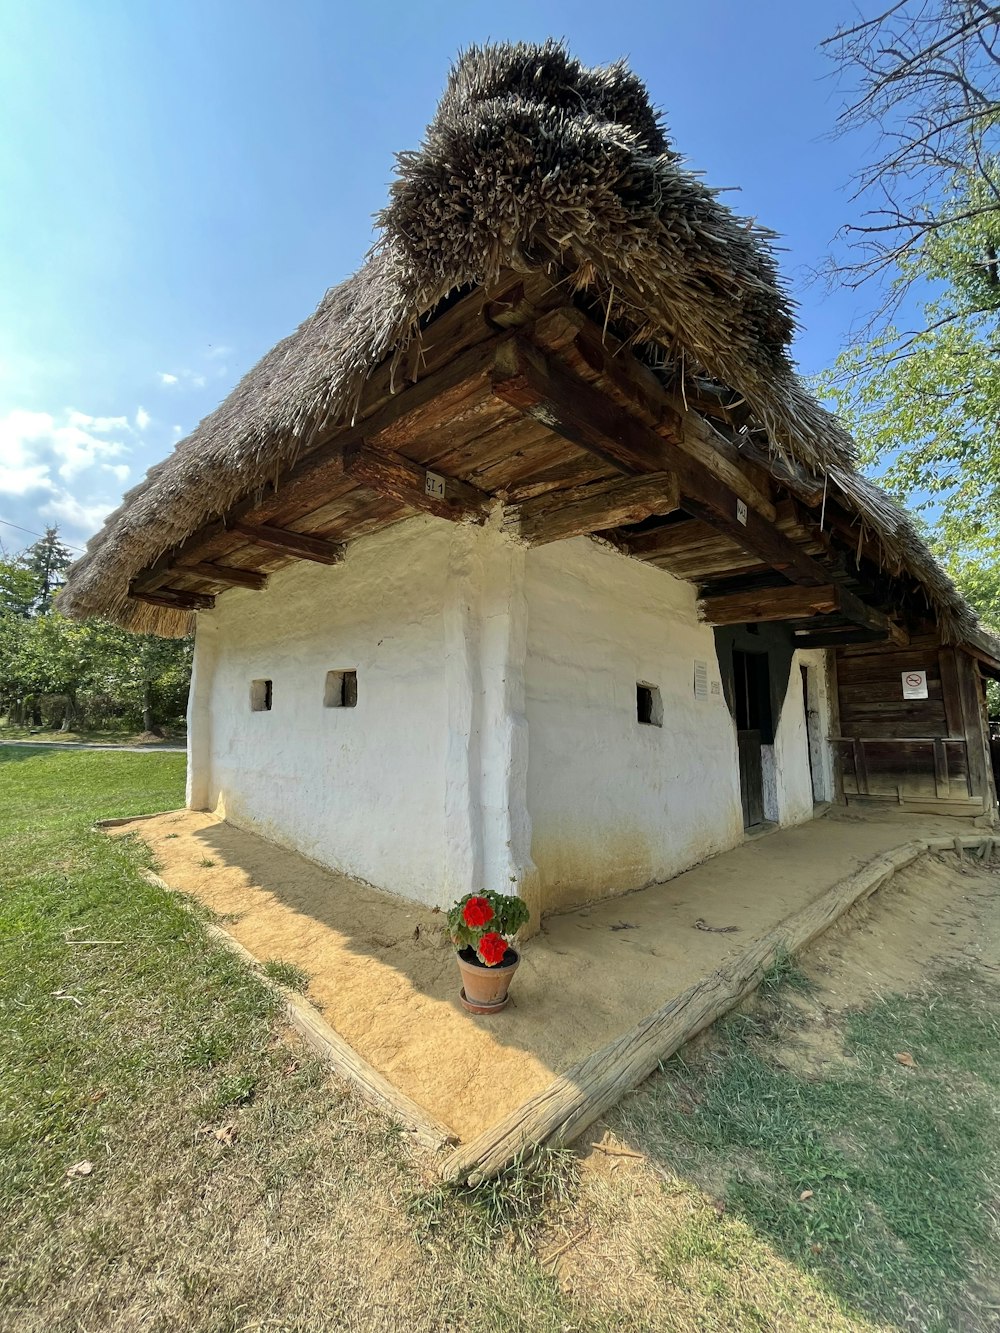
point(47, 559)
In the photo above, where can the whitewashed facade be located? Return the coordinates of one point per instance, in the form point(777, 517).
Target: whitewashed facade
point(496, 738)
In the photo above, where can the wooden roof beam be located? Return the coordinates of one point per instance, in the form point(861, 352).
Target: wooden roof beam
point(841, 637)
point(580, 413)
point(793, 603)
point(175, 599)
point(593, 507)
point(854, 609)
point(591, 351)
point(392, 475)
point(227, 574)
point(682, 538)
point(299, 545)
point(787, 603)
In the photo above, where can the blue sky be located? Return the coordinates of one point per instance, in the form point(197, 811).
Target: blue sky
point(180, 180)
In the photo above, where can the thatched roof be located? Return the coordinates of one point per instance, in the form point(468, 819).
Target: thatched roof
point(532, 160)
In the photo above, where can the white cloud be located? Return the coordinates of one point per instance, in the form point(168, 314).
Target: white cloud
point(142, 418)
point(219, 352)
point(187, 379)
point(68, 510)
point(20, 469)
point(63, 468)
point(99, 425)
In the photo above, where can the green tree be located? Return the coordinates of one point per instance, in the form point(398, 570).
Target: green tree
point(47, 559)
point(924, 81)
point(78, 673)
point(921, 389)
point(925, 406)
point(18, 588)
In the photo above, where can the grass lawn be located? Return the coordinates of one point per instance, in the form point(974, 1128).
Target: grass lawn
point(47, 735)
point(169, 1160)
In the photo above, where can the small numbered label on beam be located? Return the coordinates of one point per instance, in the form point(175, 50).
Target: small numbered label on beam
point(741, 512)
point(434, 485)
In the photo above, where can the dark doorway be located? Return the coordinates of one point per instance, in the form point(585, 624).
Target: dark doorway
point(807, 712)
point(754, 729)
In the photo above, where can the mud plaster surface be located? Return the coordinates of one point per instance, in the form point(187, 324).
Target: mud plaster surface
point(383, 973)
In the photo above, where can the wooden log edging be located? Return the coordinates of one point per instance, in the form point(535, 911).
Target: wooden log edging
point(329, 1045)
point(562, 1111)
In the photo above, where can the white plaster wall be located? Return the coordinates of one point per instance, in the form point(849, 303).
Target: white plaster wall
point(360, 789)
point(495, 741)
point(820, 725)
point(615, 804)
point(788, 781)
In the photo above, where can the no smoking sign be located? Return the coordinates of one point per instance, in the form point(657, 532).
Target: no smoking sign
point(914, 684)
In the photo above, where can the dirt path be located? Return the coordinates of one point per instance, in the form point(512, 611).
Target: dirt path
point(382, 971)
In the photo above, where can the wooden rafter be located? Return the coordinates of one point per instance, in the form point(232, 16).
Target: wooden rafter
point(788, 603)
point(235, 578)
point(590, 352)
point(842, 636)
point(854, 609)
point(580, 413)
point(593, 507)
point(175, 599)
point(573, 409)
point(297, 544)
point(391, 474)
point(676, 539)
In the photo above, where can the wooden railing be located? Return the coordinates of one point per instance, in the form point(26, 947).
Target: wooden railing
point(910, 766)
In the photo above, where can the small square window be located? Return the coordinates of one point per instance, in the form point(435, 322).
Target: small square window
point(341, 690)
point(260, 696)
point(648, 705)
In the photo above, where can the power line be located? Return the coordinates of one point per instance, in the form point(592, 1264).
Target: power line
point(40, 535)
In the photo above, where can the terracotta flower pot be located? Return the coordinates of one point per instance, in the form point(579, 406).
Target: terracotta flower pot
point(484, 989)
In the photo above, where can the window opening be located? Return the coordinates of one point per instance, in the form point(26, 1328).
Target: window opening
point(648, 705)
point(341, 689)
point(260, 696)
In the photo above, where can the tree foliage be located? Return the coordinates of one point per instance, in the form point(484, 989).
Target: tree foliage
point(922, 394)
point(925, 406)
point(925, 79)
point(55, 670)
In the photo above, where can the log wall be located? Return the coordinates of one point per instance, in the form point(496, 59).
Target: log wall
point(931, 751)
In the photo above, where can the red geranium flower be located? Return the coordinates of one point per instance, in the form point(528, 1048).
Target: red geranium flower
point(477, 912)
point(491, 949)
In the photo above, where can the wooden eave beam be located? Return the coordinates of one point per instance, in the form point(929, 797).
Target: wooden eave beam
point(307, 482)
point(175, 599)
point(795, 603)
point(839, 638)
point(588, 350)
point(854, 609)
point(788, 603)
point(228, 574)
point(297, 544)
point(580, 413)
point(593, 507)
point(676, 539)
point(390, 474)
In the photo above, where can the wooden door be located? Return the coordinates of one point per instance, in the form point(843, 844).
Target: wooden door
point(752, 697)
point(751, 777)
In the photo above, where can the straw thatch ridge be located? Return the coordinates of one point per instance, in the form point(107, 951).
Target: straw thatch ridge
point(531, 160)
